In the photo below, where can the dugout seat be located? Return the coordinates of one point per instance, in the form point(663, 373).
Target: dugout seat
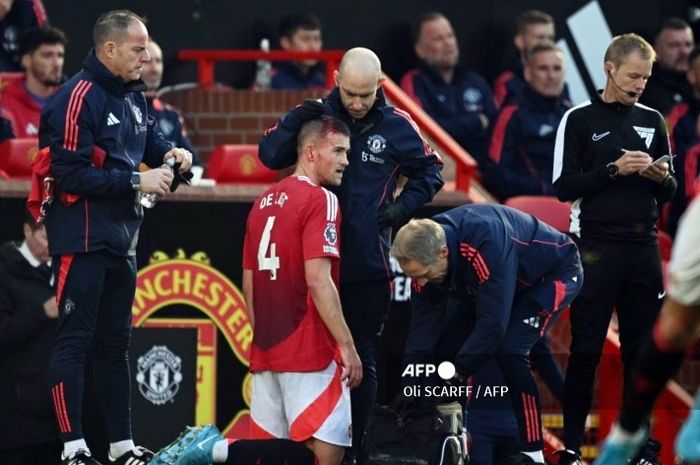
point(238, 163)
point(547, 209)
point(16, 157)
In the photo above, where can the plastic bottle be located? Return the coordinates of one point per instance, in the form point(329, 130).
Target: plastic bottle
point(263, 73)
point(150, 199)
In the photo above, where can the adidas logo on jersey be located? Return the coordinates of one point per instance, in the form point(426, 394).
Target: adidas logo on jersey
point(112, 120)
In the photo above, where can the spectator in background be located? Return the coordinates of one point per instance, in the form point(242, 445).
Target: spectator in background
point(522, 142)
point(299, 33)
point(668, 84)
point(16, 16)
point(169, 118)
point(28, 321)
point(42, 51)
point(531, 27)
point(459, 100)
point(684, 127)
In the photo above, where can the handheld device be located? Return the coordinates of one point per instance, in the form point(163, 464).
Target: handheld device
point(662, 159)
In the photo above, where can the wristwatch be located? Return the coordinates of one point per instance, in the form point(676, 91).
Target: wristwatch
point(135, 181)
point(613, 170)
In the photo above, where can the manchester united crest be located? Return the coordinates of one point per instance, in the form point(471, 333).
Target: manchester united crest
point(159, 375)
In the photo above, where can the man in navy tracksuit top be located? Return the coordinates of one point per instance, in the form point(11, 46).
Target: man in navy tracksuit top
point(459, 100)
point(384, 144)
point(521, 272)
point(93, 224)
point(522, 142)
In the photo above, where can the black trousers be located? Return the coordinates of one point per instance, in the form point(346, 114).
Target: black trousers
point(95, 292)
point(365, 307)
point(620, 275)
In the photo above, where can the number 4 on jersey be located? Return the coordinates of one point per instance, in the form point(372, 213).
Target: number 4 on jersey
point(268, 262)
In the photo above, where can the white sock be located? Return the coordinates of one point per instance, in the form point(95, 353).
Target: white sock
point(70, 447)
point(119, 448)
point(220, 451)
point(621, 436)
point(536, 456)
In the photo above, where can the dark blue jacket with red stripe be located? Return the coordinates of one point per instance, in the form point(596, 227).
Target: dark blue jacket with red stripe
point(95, 109)
point(496, 252)
point(522, 144)
point(172, 125)
point(682, 125)
point(455, 106)
point(383, 145)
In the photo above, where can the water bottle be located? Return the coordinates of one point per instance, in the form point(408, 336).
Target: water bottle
point(263, 74)
point(149, 200)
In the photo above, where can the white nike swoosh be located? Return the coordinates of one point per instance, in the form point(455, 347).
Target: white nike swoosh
point(201, 443)
point(597, 137)
point(661, 295)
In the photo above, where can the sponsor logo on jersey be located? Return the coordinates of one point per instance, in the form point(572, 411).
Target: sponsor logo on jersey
point(647, 134)
point(112, 120)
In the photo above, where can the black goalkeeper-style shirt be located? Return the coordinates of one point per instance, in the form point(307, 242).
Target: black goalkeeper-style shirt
point(590, 136)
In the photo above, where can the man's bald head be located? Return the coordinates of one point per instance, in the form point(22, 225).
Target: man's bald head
point(360, 61)
point(358, 78)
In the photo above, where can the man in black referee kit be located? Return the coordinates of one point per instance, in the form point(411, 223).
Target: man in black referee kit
point(604, 161)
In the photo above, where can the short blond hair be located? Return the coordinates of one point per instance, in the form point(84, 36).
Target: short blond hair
point(624, 45)
point(420, 240)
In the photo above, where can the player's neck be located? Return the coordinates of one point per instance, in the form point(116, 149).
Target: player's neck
point(306, 172)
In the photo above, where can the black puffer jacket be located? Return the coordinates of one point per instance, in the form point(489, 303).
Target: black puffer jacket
point(26, 337)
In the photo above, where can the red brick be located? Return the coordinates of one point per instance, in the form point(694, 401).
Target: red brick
point(210, 123)
point(245, 123)
point(218, 139)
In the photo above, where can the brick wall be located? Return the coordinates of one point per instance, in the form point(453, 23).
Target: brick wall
point(228, 116)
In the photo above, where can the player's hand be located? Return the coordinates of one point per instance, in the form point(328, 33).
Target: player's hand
point(657, 173)
point(352, 366)
point(632, 161)
point(182, 156)
point(51, 307)
point(156, 181)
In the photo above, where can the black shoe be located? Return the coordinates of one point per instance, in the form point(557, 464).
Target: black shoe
point(138, 456)
point(566, 457)
point(523, 459)
point(649, 454)
point(79, 457)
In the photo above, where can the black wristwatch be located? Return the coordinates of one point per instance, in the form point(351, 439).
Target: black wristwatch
point(613, 170)
point(135, 181)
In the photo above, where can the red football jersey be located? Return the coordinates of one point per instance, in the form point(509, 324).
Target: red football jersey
point(20, 109)
point(293, 221)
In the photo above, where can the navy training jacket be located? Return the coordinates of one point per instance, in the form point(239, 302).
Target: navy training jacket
point(455, 106)
point(96, 109)
point(383, 145)
point(496, 252)
point(522, 144)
